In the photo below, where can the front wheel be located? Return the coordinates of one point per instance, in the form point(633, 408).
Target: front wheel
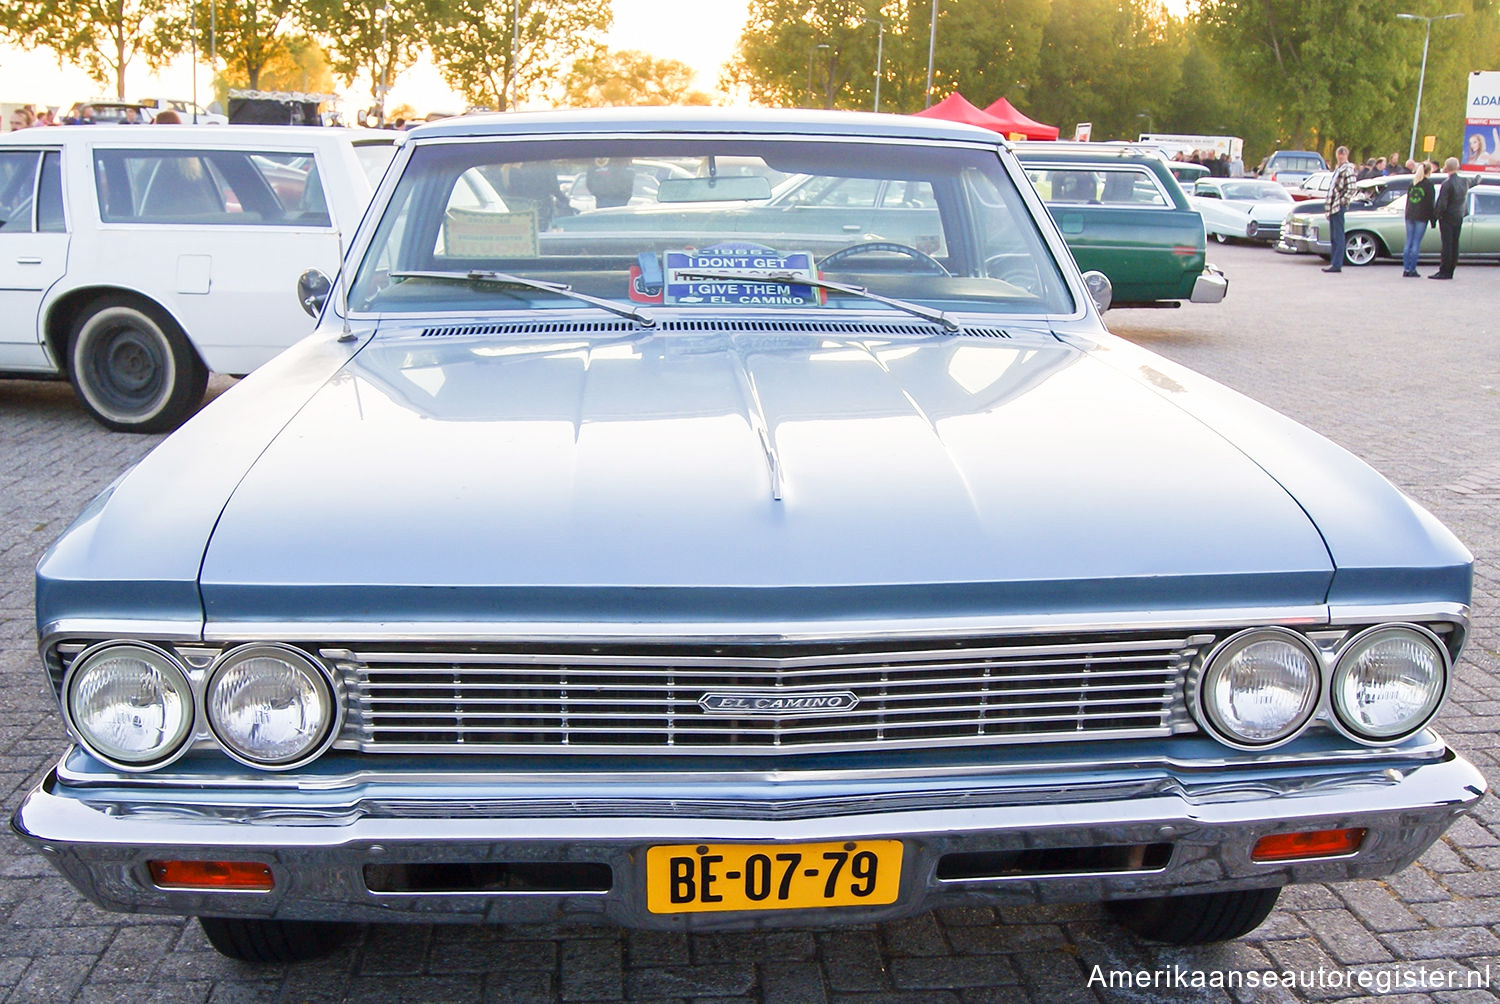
point(1360, 248)
point(133, 368)
point(1196, 920)
point(1221, 238)
point(274, 941)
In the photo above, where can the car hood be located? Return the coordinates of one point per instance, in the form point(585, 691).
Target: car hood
point(735, 473)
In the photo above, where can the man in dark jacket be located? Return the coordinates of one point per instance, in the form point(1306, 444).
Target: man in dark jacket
point(1452, 200)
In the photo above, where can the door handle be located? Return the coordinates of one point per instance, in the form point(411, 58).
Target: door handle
point(28, 260)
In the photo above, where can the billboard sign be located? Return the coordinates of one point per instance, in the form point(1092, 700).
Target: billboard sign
point(1481, 150)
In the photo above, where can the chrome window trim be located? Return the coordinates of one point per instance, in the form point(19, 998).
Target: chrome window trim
point(1123, 167)
point(1062, 256)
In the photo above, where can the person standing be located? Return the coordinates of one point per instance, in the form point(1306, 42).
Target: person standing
point(1340, 194)
point(1449, 208)
point(1419, 216)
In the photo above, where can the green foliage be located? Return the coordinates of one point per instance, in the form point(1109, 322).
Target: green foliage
point(380, 38)
point(102, 37)
point(496, 53)
point(628, 78)
point(247, 35)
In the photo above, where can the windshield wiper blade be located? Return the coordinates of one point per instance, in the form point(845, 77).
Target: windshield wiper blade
point(560, 288)
point(797, 279)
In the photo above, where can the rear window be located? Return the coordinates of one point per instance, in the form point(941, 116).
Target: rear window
point(210, 187)
point(1117, 186)
point(1285, 162)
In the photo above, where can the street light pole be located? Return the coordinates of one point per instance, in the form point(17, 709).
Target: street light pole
point(810, 53)
point(1422, 77)
point(931, 47)
point(879, 53)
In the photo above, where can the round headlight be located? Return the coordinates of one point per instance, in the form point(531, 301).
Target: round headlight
point(1389, 682)
point(269, 705)
point(1260, 687)
point(1252, 228)
point(129, 704)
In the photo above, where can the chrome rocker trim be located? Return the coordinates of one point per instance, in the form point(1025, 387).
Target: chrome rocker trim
point(101, 841)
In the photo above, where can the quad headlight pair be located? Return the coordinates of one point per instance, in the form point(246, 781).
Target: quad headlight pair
point(134, 706)
point(1261, 687)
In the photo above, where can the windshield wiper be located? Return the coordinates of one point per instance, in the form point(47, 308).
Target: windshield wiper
point(560, 288)
point(797, 279)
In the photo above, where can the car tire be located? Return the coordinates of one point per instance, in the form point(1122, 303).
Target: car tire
point(1221, 238)
point(274, 941)
point(1196, 920)
point(132, 366)
point(1361, 247)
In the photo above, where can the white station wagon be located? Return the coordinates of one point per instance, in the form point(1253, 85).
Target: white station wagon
point(134, 261)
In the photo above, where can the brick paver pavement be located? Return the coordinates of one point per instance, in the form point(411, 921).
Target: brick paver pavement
point(1403, 373)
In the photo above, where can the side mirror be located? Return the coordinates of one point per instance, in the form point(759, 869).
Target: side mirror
point(312, 291)
point(1100, 289)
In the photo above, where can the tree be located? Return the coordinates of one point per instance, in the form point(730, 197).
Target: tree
point(103, 37)
point(297, 64)
point(499, 54)
point(247, 34)
point(629, 77)
point(798, 53)
point(380, 38)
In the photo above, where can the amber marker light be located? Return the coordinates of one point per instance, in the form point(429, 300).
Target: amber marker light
point(1312, 844)
point(246, 876)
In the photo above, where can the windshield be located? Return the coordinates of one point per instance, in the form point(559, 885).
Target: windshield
point(643, 221)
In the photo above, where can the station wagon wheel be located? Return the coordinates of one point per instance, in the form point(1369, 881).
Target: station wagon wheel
point(132, 367)
point(274, 941)
point(1221, 238)
point(1360, 248)
point(1197, 919)
point(878, 247)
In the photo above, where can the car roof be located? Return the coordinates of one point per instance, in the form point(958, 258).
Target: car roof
point(200, 136)
point(754, 122)
point(1091, 151)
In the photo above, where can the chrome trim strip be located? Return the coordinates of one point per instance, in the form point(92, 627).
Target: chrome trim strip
point(762, 632)
point(1428, 746)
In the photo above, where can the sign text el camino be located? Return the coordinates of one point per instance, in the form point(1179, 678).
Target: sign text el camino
point(780, 705)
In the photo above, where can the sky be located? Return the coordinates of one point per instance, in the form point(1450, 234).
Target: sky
point(702, 34)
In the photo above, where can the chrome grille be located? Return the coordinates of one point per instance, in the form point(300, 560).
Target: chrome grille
point(640, 699)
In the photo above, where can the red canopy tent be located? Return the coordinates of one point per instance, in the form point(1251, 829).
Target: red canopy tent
point(1012, 121)
point(956, 108)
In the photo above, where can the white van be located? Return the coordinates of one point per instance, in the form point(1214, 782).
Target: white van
point(134, 260)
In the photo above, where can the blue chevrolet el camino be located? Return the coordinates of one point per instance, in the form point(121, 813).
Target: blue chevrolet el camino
point(729, 578)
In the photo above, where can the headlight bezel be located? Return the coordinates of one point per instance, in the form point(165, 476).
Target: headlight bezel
point(1199, 685)
point(185, 737)
point(332, 694)
point(1336, 669)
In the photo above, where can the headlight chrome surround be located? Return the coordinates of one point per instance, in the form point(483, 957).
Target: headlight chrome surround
point(304, 680)
point(1342, 691)
point(1207, 689)
point(178, 705)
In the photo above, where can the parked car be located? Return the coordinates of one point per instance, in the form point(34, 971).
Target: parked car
point(1291, 168)
point(103, 111)
point(1372, 193)
point(1186, 172)
point(189, 111)
point(1315, 187)
point(1241, 208)
point(135, 261)
point(735, 586)
point(1372, 234)
point(1123, 214)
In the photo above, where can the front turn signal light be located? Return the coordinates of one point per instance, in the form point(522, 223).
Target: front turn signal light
point(1312, 844)
point(242, 876)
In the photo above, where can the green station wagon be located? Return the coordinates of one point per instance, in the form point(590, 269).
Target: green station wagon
point(1122, 213)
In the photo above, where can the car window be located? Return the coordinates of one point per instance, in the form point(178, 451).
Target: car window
point(1486, 203)
point(17, 190)
point(1124, 185)
point(49, 199)
point(223, 187)
point(374, 157)
point(927, 223)
point(1254, 191)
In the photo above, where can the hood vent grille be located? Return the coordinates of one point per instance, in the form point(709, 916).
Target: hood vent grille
point(623, 327)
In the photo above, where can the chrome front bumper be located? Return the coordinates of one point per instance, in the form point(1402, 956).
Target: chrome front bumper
point(1211, 287)
point(318, 843)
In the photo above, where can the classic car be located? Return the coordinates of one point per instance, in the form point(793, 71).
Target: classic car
point(1372, 193)
point(1123, 214)
point(736, 586)
point(1291, 168)
point(1241, 208)
point(1315, 187)
point(1186, 172)
point(1374, 233)
point(135, 261)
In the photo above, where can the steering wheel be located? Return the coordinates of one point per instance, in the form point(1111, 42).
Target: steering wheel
point(1017, 269)
point(875, 247)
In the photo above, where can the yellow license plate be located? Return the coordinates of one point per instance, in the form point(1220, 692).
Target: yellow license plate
point(697, 878)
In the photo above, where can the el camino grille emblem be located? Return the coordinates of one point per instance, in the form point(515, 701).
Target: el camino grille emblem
point(780, 705)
